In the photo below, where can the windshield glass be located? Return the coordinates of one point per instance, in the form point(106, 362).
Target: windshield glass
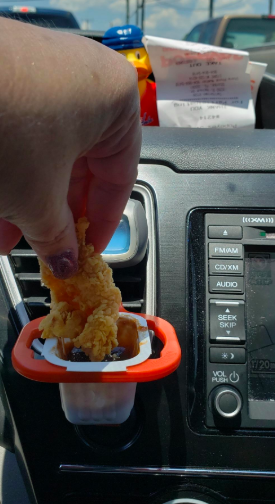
point(195, 34)
point(245, 32)
point(179, 19)
point(45, 20)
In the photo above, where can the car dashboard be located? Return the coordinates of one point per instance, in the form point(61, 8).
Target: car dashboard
point(194, 436)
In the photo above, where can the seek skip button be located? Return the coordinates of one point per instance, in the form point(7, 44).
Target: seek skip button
point(226, 250)
point(226, 284)
point(227, 321)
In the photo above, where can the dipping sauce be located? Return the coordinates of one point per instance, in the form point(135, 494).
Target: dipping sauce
point(128, 344)
point(77, 355)
point(127, 336)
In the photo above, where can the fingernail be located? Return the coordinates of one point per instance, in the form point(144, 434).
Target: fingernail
point(63, 265)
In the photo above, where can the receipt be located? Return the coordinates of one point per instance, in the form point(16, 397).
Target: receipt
point(201, 86)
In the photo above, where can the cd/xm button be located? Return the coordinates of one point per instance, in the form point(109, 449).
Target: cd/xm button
point(225, 267)
point(226, 284)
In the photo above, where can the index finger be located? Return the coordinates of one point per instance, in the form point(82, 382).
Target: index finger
point(114, 169)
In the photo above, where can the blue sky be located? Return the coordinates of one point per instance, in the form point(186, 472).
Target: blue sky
point(164, 18)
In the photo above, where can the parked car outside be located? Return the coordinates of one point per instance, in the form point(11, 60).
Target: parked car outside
point(264, 54)
point(48, 18)
point(234, 32)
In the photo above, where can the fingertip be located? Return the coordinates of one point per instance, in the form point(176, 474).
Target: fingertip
point(63, 265)
point(56, 244)
point(99, 234)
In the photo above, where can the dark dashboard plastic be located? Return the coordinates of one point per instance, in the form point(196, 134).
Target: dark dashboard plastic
point(165, 458)
point(207, 150)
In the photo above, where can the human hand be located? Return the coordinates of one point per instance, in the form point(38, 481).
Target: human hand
point(70, 141)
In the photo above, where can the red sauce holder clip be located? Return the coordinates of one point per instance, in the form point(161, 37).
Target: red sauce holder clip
point(98, 397)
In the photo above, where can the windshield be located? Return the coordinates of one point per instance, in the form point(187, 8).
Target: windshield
point(194, 35)
point(46, 20)
point(247, 32)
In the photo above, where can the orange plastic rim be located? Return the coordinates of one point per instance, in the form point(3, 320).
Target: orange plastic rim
point(152, 369)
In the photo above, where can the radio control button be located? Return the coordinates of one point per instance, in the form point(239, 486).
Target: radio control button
point(226, 401)
point(226, 284)
point(227, 355)
point(227, 321)
point(225, 267)
point(225, 232)
point(226, 250)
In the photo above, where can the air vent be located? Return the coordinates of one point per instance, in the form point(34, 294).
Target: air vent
point(137, 283)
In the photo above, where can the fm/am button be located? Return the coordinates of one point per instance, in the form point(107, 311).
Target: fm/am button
point(230, 250)
point(225, 267)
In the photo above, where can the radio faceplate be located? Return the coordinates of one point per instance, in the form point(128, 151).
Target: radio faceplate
point(240, 319)
point(234, 303)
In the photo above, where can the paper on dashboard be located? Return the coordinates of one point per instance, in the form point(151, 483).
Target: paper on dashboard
point(201, 86)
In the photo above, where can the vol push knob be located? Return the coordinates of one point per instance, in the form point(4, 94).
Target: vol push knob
point(226, 402)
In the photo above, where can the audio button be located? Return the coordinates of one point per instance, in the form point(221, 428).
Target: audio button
point(226, 284)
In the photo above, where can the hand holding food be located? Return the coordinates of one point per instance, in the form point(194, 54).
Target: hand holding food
point(70, 141)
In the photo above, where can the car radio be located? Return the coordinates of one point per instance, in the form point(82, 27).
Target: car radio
point(236, 326)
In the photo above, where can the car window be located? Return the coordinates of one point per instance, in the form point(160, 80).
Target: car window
point(247, 32)
point(194, 34)
point(209, 32)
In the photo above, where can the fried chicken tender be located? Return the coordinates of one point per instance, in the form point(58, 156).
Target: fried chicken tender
point(85, 307)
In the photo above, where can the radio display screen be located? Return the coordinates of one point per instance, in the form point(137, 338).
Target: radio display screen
point(260, 326)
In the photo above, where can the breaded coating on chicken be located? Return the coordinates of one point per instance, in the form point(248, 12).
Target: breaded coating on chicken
point(85, 307)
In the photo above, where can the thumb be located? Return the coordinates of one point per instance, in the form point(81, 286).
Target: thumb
point(54, 240)
point(9, 236)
